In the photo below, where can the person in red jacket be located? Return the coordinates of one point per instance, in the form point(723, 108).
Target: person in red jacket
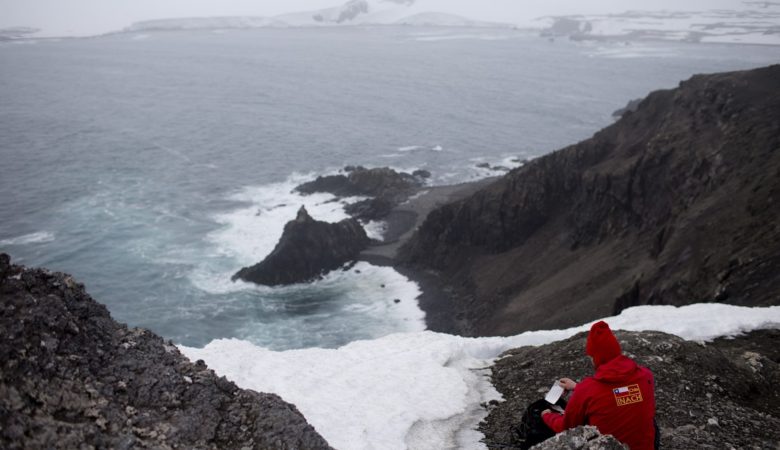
point(619, 399)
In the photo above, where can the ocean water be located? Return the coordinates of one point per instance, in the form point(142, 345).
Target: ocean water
point(153, 166)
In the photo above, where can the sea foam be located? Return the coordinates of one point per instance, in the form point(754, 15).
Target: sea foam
point(40, 237)
point(360, 302)
point(249, 232)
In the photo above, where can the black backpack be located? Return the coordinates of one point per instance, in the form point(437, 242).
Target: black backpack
point(532, 430)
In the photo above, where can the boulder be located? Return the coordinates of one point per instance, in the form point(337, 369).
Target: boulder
point(72, 377)
point(580, 438)
point(307, 249)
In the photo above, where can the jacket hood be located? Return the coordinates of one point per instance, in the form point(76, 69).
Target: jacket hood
point(617, 370)
point(601, 345)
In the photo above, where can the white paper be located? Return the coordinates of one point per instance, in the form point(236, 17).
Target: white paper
point(555, 393)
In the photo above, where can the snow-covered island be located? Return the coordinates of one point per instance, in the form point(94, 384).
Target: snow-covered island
point(744, 23)
point(721, 26)
point(205, 23)
point(726, 21)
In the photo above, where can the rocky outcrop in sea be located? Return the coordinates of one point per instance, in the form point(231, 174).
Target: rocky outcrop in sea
point(721, 394)
point(675, 203)
point(72, 377)
point(307, 250)
point(385, 187)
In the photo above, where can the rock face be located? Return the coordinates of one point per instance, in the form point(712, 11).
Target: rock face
point(307, 249)
point(675, 203)
point(719, 395)
point(387, 188)
point(72, 377)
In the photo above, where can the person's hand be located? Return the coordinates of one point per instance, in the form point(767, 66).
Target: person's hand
point(546, 411)
point(567, 383)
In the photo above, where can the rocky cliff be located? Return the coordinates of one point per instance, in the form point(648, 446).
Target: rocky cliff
point(717, 395)
point(72, 377)
point(675, 203)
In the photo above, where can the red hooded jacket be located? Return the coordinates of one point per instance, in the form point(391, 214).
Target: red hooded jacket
point(618, 400)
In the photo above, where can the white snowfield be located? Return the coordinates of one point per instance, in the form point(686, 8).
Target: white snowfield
point(206, 23)
point(422, 390)
point(749, 26)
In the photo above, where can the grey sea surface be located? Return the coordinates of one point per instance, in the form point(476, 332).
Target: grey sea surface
point(152, 166)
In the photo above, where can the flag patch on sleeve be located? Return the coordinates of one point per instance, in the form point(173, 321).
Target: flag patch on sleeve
point(627, 395)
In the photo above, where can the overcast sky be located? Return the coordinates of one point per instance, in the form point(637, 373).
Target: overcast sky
point(83, 17)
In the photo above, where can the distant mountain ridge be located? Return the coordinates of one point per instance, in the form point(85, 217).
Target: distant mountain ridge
point(676, 203)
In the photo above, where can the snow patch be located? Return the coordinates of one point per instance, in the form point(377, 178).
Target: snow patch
point(424, 389)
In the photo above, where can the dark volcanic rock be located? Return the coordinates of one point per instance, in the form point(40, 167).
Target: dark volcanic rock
point(675, 203)
point(333, 184)
point(72, 377)
point(370, 209)
point(387, 187)
point(719, 395)
point(495, 168)
point(378, 182)
point(421, 174)
point(307, 249)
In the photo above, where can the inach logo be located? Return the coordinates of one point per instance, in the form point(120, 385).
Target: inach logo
point(627, 395)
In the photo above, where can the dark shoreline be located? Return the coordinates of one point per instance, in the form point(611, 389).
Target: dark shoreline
point(402, 222)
